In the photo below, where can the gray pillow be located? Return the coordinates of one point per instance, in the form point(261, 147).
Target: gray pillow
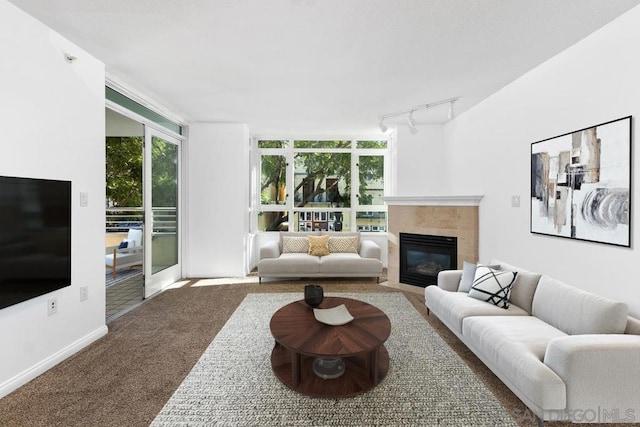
point(468, 274)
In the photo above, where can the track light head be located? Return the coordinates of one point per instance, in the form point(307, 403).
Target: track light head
point(412, 123)
point(383, 127)
point(451, 114)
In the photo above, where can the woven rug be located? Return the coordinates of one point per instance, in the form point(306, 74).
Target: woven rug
point(427, 383)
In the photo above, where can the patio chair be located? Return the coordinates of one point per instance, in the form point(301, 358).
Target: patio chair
point(129, 253)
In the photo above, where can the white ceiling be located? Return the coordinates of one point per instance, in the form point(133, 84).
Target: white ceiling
point(323, 67)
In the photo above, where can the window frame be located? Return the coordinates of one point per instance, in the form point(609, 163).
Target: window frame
point(289, 205)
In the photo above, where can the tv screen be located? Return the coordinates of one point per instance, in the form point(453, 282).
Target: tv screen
point(35, 238)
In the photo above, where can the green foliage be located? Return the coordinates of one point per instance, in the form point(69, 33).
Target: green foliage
point(319, 167)
point(371, 169)
point(272, 144)
point(124, 166)
point(124, 171)
point(371, 144)
point(165, 173)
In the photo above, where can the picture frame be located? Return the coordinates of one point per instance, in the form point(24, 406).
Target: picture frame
point(581, 184)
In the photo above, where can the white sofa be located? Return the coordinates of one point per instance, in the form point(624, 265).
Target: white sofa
point(566, 353)
point(117, 258)
point(289, 257)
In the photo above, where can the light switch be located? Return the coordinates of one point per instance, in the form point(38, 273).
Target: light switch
point(84, 199)
point(515, 201)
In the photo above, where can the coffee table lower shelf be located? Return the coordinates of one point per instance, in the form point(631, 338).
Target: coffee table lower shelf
point(357, 378)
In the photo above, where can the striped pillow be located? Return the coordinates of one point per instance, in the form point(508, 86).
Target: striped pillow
point(348, 244)
point(292, 244)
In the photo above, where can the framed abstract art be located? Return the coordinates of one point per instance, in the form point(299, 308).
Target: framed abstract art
point(581, 184)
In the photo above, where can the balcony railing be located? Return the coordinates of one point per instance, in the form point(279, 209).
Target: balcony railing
point(120, 220)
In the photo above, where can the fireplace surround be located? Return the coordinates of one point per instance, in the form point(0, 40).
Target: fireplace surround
point(448, 216)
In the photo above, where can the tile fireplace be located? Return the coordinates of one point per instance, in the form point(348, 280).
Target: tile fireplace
point(441, 216)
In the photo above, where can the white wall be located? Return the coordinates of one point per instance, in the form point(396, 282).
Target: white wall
point(218, 200)
point(594, 81)
point(420, 164)
point(53, 127)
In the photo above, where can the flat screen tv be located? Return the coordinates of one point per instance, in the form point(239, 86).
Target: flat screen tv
point(35, 238)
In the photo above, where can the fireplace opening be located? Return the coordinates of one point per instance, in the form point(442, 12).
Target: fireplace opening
point(422, 257)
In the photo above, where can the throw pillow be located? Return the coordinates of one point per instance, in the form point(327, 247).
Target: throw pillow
point(492, 286)
point(319, 245)
point(347, 244)
point(468, 274)
point(292, 244)
point(123, 244)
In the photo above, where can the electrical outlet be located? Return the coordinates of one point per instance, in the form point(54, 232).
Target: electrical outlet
point(515, 201)
point(84, 293)
point(52, 306)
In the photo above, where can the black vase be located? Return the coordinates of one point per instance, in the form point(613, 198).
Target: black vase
point(313, 295)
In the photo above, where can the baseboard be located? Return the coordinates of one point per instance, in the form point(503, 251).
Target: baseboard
point(51, 361)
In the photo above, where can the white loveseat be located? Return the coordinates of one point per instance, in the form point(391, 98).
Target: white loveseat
point(566, 353)
point(348, 255)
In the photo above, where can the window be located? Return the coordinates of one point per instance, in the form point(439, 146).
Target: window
point(321, 185)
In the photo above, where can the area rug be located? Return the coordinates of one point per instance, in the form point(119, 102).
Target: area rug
point(427, 383)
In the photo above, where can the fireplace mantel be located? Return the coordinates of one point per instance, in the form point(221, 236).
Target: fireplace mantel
point(434, 200)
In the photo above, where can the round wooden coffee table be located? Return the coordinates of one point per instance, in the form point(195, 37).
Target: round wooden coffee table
point(300, 339)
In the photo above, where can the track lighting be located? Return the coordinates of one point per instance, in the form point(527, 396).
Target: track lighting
point(411, 121)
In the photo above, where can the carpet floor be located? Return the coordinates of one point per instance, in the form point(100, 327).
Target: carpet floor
point(126, 377)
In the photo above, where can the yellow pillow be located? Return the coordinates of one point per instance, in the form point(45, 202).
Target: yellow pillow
point(318, 245)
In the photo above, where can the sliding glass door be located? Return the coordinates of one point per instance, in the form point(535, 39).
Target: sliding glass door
point(162, 201)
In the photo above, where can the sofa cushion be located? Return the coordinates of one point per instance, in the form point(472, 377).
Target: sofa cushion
point(453, 307)
point(515, 346)
point(523, 288)
point(295, 244)
point(339, 244)
point(349, 264)
point(468, 274)
point(318, 245)
point(576, 311)
point(290, 264)
point(492, 286)
point(134, 237)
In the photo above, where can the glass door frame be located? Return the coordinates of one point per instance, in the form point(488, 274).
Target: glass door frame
point(156, 282)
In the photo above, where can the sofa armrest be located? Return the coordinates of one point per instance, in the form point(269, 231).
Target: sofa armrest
point(449, 280)
point(601, 372)
point(370, 249)
point(270, 250)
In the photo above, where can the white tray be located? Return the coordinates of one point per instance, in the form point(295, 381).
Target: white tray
point(335, 316)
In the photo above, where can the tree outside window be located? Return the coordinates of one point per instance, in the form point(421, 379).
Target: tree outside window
point(319, 195)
